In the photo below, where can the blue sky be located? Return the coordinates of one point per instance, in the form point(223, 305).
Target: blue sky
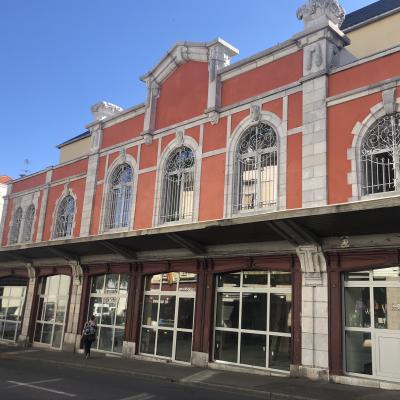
point(59, 57)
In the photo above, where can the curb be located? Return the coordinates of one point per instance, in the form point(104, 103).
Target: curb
point(257, 393)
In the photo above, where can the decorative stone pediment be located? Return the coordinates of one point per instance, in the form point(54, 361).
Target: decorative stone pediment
point(318, 12)
point(104, 110)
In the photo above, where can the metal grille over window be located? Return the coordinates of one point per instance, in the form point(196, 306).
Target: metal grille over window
point(255, 185)
point(178, 186)
point(253, 319)
point(108, 304)
point(65, 217)
point(119, 199)
point(380, 156)
point(29, 216)
point(16, 226)
point(168, 312)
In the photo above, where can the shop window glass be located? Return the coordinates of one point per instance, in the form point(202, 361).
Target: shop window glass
point(185, 313)
point(254, 311)
point(357, 304)
point(281, 279)
point(280, 313)
point(228, 280)
point(359, 352)
point(391, 275)
point(226, 346)
point(255, 279)
point(164, 343)
point(183, 346)
point(147, 341)
point(279, 352)
point(228, 310)
point(253, 349)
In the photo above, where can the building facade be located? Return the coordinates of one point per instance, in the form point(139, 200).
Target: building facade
point(245, 216)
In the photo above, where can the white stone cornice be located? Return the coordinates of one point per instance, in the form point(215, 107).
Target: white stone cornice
point(104, 110)
point(320, 12)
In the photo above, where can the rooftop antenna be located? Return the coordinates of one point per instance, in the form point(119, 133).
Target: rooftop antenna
point(25, 170)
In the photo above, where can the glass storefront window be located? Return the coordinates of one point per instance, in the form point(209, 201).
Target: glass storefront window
point(12, 300)
point(167, 319)
point(253, 319)
point(371, 320)
point(108, 303)
point(52, 309)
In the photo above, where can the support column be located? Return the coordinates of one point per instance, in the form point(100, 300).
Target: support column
point(71, 334)
point(314, 317)
point(28, 322)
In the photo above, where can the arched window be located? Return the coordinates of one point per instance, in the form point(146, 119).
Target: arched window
point(256, 171)
point(29, 216)
point(16, 226)
point(119, 198)
point(380, 156)
point(64, 217)
point(178, 186)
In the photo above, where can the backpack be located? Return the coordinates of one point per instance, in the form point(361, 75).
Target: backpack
point(89, 329)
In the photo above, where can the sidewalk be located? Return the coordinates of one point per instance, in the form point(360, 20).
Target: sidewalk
point(267, 387)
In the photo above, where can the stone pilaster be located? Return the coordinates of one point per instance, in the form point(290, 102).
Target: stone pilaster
point(43, 207)
point(4, 213)
point(314, 316)
point(24, 338)
point(71, 334)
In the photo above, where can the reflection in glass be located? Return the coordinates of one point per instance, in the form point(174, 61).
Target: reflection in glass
point(150, 310)
point(95, 307)
point(164, 343)
point(121, 311)
point(111, 285)
point(357, 303)
point(47, 332)
point(49, 309)
point(13, 311)
point(108, 311)
point(97, 284)
point(228, 280)
point(253, 349)
point(226, 346)
point(123, 284)
point(359, 352)
point(9, 331)
point(105, 338)
point(356, 276)
point(147, 341)
point(152, 282)
point(119, 336)
point(57, 336)
point(169, 282)
point(280, 313)
point(281, 279)
point(254, 311)
point(227, 310)
point(187, 282)
point(52, 284)
point(183, 346)
point(61, 309)
point(185, 313)
point(64, 285)
point(279, 352)
point(255, 279)
point(391, 275)
point(167, 311)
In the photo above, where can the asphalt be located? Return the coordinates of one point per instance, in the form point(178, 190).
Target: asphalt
point(184, 377)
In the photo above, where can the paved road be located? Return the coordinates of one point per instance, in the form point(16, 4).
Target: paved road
point(27, 379)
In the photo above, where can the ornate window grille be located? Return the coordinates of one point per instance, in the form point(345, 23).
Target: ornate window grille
point(16, 226)
point(178, 186)
point(28, 224)
point(256, 169)
point(65, 217)
point(119, 198)
point(380, 156)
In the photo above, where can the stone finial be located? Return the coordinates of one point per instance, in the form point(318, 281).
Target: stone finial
point(104, 110)
point(318, 12)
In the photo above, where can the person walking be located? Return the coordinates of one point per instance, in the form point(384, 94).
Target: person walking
point(89, 335)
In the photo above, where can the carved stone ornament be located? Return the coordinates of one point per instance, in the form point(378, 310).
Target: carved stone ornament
point(344, 242)
point(255, 113)
point(31, 271)
point(214, 117)
point(313, 264)
point(77, 272)
point(179, 137)
point(122, 154)
point(314, 56)
point(315, 9)
point(148, 139)
point(104, 110)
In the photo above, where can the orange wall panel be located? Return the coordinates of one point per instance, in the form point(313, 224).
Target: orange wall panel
point(274, 106)
point(101, 168)
point(123, 131)
point(262, 79)
point(237, 118)
point(148, 155)
point(95, 222)
point(7, 221)
point(68, 170)
point(214, 136)
point(37, 217)
point(365, 74)
point(295, 110)
point(183, 95)
point(133, 151)
point(341, 120)
point(145, 200)
point(194, 133)
point(294, 171)
point(212, 188)
point(166, 140)
point(29, 183)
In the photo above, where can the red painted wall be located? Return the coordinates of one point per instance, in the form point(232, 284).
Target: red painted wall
point(214, 136)
point(262, 79)
point(7, 221)
point(123, 131)
point(183, 95)
point(341, 120)
point(365, 74)
point(37, 217)
point(148, 155)
point(145, 200)
point(275, 106)
point(295, 110)
point(29, 183)
point(212, 188)
point(294, 171)
point(95, 223)
point(76, 168)
point(237, 118)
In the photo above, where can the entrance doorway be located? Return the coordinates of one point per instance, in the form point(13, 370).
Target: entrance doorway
point(53, 292)
point(372, 322)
